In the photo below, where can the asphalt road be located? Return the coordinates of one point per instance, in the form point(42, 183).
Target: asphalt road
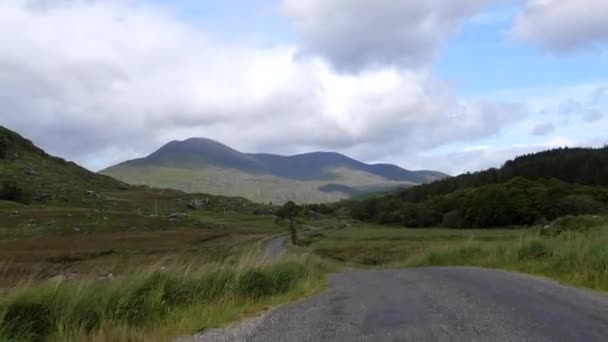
point(275, 248)
point(433, 304)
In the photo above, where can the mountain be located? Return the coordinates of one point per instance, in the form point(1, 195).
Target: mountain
point(528, 190)
point(204, 165)
point(28, 174)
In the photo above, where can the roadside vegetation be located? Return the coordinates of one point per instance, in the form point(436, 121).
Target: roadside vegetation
point(84, 257)
point(571, 249)
point(151, 305)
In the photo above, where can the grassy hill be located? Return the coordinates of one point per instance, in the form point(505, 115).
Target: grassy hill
point(202, 165)
point(530, 189)
point(30, 175)
point(85, 257)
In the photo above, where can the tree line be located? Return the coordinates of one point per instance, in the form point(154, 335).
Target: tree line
point(528, 190)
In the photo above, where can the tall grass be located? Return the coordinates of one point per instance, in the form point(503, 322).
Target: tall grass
point(133, 304)
point(575, 257)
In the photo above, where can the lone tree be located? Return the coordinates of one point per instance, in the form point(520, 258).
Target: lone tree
point(289, 211)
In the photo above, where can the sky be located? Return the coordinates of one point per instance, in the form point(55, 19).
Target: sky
point(454, 86)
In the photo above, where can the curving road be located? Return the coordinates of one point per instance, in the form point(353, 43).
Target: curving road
point(433, 304)
point(275, 247)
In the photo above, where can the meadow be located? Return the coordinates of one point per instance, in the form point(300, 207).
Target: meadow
point(140, 266)
point(144, 266)
point(573, 250)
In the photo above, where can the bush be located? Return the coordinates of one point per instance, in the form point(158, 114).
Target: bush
point(578, 223)
point(452, 219)
point(27, 321)
point(11, 191)
point(576, 205)
point(533, 250)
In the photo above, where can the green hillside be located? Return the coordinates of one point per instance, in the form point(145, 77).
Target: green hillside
point(528, 190)
point(30, 175)
point(203, 165)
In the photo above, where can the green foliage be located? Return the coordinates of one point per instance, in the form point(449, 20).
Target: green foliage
point(578, 223)
point(289, 211)
point(517, 202)
point(533, 250)
point(39, 313)
point(11, 191)
point(583, 166)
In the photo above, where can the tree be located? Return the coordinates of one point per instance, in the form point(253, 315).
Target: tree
point(289, 211)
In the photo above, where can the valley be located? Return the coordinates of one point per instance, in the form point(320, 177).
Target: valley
point(86, 257)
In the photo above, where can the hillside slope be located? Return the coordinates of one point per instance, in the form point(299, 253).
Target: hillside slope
point(203, 165)
point(529, 190)
point(42, 178)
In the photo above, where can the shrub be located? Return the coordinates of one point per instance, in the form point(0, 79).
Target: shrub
point(11, 191)
point(25, 320)
point(452, 219)
point(578, 223)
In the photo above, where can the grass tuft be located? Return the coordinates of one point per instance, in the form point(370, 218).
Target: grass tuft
point(64, 310)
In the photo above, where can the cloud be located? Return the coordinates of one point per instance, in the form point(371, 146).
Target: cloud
point(103, 81)
point(563, 25)
point(478, 158)
point(543, 129)
point(357, 34)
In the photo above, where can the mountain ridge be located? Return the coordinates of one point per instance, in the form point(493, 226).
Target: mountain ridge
point(200, 156)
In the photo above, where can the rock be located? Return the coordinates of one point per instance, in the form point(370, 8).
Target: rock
point(77, 229)
point(93, 193)
point(178, 216)
point(14, 213)
point(29, 172)
point(106, 276)
point(198, 203)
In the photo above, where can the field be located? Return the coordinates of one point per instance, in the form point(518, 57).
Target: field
point(145, 265)
point(140, 266)
point(573, 250)
point(260, 188)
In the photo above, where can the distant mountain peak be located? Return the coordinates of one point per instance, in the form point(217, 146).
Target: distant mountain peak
point(202, 156)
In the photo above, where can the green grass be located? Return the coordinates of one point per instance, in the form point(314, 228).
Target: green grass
point(260, 188)
point(575, 251)
point(149, 305)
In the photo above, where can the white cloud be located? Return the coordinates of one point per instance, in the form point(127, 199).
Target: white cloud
point(356, 34)
point(543, 129)
point(100, 82)
point(563, 25)
point(479, 158)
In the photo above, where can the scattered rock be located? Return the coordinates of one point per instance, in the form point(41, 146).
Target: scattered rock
point(92, 193)
point(77, 229)
point(29, 172)
point(106, 276)
point(198, 203)
point(175, 217)
point(14, 213)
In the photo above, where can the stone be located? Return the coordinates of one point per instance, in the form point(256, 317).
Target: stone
point(29, 172)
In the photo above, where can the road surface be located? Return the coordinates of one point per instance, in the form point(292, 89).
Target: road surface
point(432, 304)
point(275, 248)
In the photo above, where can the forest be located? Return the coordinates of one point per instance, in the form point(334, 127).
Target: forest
point(528, 190)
